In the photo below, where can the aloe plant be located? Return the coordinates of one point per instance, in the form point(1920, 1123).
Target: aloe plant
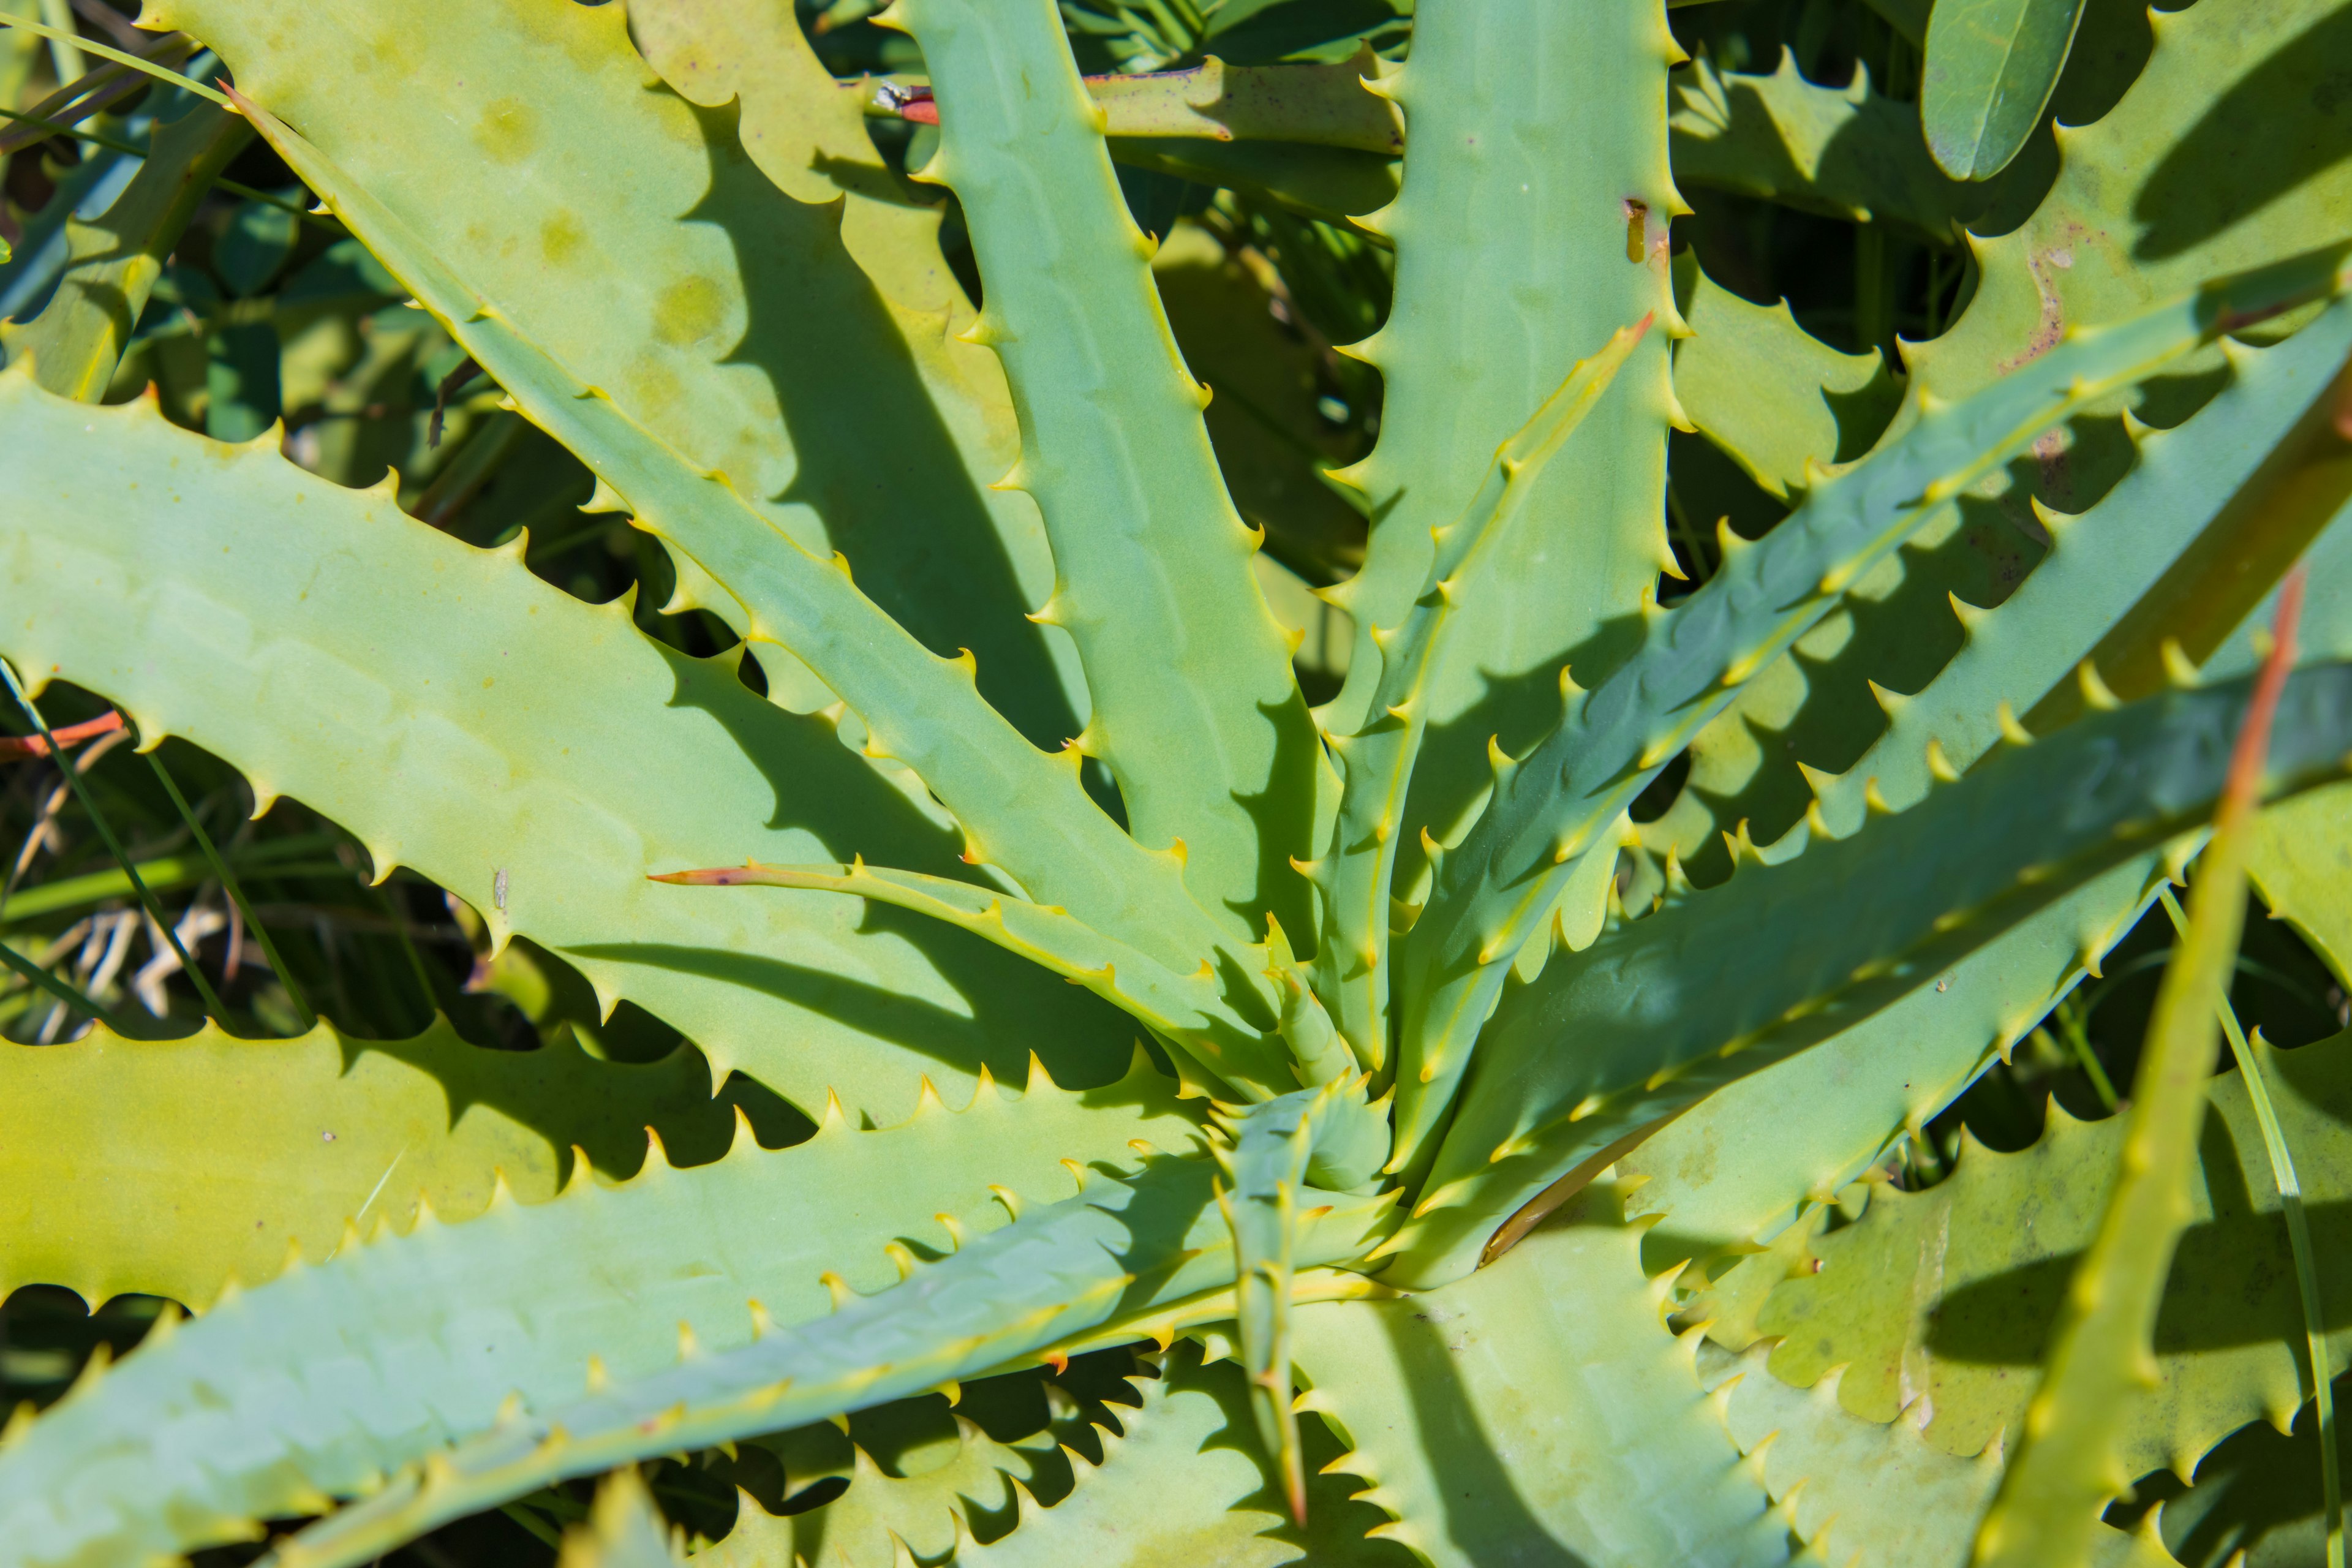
point(1439, 1120)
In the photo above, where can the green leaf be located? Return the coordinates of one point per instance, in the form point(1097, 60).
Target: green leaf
point(1196, 711)
point(1021, 808)
point(931, 1509)
point(2210, 481)
point(114, 259)
point(324, 1380)
point(1866, 1491)
point(2300, 861)
point(1512, 263)
point(250, 1153)
point(1799, 950)
point(1182, 1483)
point(1989, 70)
point(1125, 1253)
point(1774, 397)
point(1185, 1009)
point(1424, 653)
point(1501, 882)
point(623, 1529)
point(1740, 1164)
point(1538, 1411)
point(258, 242)
point(548, 754)
point(1964, 1334)
point(1846, 153)
point(2100, 1364)
point(2141, 209)
point(746, 335)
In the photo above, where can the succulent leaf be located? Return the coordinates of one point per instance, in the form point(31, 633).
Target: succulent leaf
point(1849, 153)
point(2008, 840)
point(335, 1374)
point(623, 1529)
point(1420, 656)
point(1195, 710)
point(746, 337)
point(1518, 1410)
point(1128, 1251)
point(1775, 398)
point(1496, 888)
point(1512, 262)
point(1863, 1491)
point(1961, 1336)
point(248, 1151)
point(530, 764)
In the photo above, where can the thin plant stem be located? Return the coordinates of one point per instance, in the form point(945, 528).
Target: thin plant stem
point(131, 150)
point(408, 945)
point(2249, 1054)
point(115, 846)
point(35, 974)
point(235, 893)
point(120, 57)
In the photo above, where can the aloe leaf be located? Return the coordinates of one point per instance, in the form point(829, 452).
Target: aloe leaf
point(1187, 1009)
point(2019, 833)
point(1123, 1252)
point(1991, 68)
point(1735, 1167)
point(1512, 262)
point(747, 336)
point(324, 1380)
point(1960, 1338)
point(2099, 1362)
point(931, 1509)
point(1337, 184)
point(1776, 399)
point(1864, 1491)
point(807, 133)
point(321, 670)
point(1179, 1484)
point(623, 1529)
point(251, 1152)
point(1494, 889)
point(1021, 808)
point(1312, 105)
point(1196, 712)
point(1848, 153)
point(1332, 1134)
point(2300, 861)
point(2115, 582)
point(1742, 1163)
point(2136, 212)
point(1537, 1408)
point(1421, 655)
point(114, 259)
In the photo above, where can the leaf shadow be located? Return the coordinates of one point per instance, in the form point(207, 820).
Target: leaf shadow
point(2283, 125)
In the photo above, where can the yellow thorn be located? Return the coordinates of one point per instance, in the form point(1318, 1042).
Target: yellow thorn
point(2012, 731)
point(2096, 694)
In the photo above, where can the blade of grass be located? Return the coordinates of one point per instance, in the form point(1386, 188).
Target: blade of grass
point(129, 868)
point(34, 974)
point(2065, 1470)
point(120, 57)
point(235, 893)
point(2249, 1055)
